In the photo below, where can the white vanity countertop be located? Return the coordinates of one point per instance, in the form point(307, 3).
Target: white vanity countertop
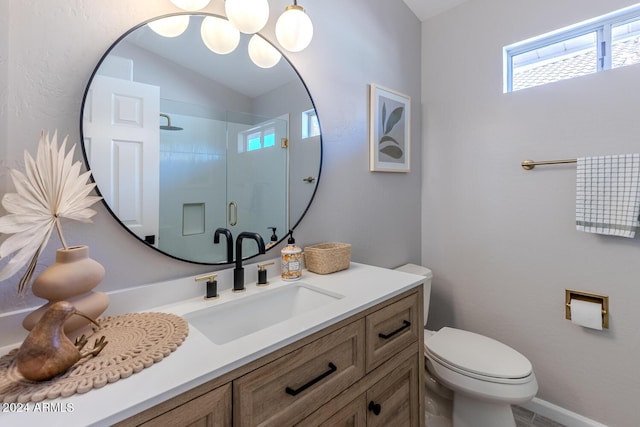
point(199, 360)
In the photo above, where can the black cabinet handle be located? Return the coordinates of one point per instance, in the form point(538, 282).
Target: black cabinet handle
point(405, 324)
point(375, 408)
point(293, 392)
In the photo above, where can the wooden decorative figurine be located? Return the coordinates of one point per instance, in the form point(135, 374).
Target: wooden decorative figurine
point(47, 351)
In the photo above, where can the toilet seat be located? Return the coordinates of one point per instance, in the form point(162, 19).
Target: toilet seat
point(477, 356)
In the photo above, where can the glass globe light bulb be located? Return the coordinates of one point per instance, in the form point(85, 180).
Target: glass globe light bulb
point(219, 35)
point(191, 5)
point(248, 16)
point(262, 53)
point(171, 26)
point(294, 29)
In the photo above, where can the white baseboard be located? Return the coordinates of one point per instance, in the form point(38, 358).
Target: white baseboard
point(560, 415)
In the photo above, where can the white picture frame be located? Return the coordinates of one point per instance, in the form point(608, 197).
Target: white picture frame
point(389, 130)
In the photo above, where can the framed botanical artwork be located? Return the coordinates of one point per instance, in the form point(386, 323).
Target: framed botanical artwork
point(389, 125)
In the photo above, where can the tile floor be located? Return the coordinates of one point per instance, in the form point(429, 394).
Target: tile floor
point(526, 418)
point(523, 418)
point(439, 405)
point(438, 413)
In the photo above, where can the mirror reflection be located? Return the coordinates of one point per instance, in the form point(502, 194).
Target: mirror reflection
point(182, 141)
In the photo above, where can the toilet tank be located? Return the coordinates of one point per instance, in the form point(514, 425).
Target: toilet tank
point(421, 271)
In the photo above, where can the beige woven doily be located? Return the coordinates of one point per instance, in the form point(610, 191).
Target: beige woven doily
point(136, 341)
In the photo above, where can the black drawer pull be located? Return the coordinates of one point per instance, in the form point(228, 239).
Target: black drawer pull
point(375, 408)
point(292, 392)
point(405, 324)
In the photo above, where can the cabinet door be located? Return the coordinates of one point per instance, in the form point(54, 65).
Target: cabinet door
point(352, 415)
point(394, 400)
point(290, 388)
point(392, 328)
point(212, 409)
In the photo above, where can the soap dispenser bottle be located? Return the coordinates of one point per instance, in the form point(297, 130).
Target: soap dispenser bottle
point(291, 260)
point(274, 237)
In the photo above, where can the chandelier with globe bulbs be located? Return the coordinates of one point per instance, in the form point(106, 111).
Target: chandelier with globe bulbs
point(294, 29)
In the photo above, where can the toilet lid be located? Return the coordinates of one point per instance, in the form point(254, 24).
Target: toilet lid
point(477, 354)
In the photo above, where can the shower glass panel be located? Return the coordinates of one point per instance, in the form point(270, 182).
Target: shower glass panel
point(205, 164)
point(257, 175)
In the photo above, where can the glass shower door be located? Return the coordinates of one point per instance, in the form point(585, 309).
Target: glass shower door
point(257, 176)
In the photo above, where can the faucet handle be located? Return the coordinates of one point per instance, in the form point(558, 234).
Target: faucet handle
point(262, 273)
point(263, 267)
point(208, 277)
point(212, 284)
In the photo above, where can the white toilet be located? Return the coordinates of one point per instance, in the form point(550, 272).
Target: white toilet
point(485, 376)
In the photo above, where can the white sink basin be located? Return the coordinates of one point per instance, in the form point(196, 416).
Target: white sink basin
point(235, 319)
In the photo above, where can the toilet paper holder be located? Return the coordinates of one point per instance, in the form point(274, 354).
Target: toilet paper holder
point(588, 297)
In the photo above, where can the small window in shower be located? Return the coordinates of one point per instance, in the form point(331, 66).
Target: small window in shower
point(254, 141)
point(269, 139)
point(257, 138)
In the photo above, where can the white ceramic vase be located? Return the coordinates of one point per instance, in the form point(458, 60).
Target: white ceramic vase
point(71, 278)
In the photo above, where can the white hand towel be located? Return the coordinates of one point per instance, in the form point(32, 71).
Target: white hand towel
point(607, 194)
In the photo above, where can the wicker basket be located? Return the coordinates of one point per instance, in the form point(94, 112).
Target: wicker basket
point(325, 258)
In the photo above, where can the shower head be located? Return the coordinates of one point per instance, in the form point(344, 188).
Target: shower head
point(168, 125)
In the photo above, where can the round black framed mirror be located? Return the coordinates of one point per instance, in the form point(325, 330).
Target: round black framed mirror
point(182, 141)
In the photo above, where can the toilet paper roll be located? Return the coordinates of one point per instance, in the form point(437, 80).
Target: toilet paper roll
point(587, 314)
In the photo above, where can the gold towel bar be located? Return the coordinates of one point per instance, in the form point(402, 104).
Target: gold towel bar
point(530, 164)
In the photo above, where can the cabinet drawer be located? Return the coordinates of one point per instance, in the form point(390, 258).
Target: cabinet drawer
point(212, 409)
point(391, 329)
point(292, 387)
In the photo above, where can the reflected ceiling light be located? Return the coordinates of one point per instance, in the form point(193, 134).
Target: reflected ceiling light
point(171, 26)
point(294, 29)
point(191, 5)
point(248, 16)
point(219, 35)
point(262, 53)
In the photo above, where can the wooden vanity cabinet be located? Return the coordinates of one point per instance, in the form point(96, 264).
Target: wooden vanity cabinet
point(361, 371)
point(354, 414)
point(393, 328)
point(390, 394)
point(191, 409)
point(390, 398)
point(394, 400)
point(290, 388)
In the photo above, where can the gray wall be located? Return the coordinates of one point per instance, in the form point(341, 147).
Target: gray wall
point(502, 241)
point(49, 49)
